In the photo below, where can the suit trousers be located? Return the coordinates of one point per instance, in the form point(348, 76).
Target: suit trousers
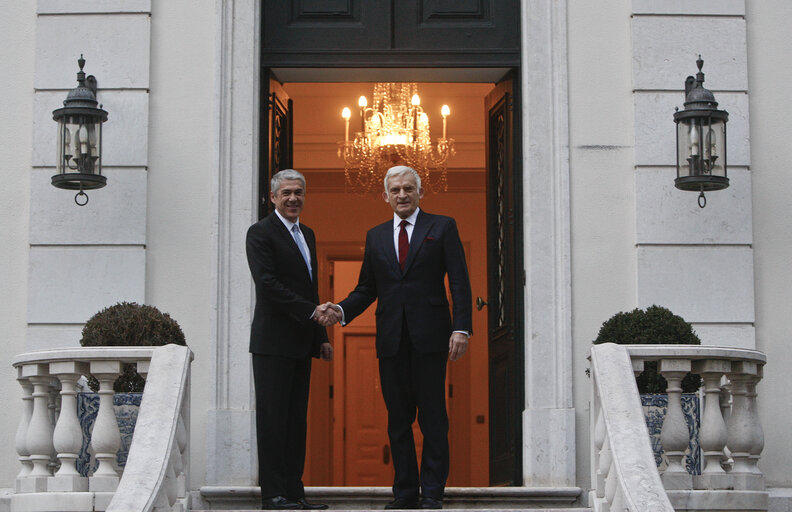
point(415, 382)
point(282, 385)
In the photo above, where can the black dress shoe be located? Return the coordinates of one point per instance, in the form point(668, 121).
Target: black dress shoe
point(307, 505)
point(402, 504)
point(279, 503)
point(431, 503)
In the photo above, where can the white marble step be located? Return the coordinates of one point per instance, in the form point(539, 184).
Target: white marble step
point(470, 499)
point(531, 509)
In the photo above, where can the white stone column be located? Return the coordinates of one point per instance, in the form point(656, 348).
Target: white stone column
point(230, 426)
point(67, 436)
point(105, 438)
point(549, 415)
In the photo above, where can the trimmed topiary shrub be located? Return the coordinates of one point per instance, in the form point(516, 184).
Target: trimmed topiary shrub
point(657, 326)
point(130, 324)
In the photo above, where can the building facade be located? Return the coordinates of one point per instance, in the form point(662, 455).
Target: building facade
point(601, 227)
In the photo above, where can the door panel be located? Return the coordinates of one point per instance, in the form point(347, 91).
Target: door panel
point(366, 450)
point(276, 136)
point(408, 33)
point(294, 25)
point(505, 288)
point(472, 25)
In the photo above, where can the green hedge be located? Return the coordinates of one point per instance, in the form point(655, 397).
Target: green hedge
point(130, 324)
point(654, 326)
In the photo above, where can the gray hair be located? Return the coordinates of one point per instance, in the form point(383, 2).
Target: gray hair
point(401, 170)
point(285, 174)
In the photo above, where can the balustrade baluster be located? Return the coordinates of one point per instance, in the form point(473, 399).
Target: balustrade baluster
point(603, 455)
point(106, 437)
point(675, 434)
point(741, 437)
point(67, 437)
point(54, 411)
point(22, 430)
point(616, 504)
point(39, 434)
point(725, 405)
point(758, 433)
point(182, 440)
point(171, 476)
point(638, 366)
point(611, 484)
point(713, 433)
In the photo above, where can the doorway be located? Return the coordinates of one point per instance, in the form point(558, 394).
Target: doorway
point(339, 453)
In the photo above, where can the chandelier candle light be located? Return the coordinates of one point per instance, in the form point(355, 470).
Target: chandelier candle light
point(394, 131)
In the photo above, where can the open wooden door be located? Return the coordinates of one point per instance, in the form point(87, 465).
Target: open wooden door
point(276, 136)
point(506, 281)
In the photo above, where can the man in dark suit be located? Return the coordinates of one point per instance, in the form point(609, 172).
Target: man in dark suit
point(284, 337)
point(405, 263)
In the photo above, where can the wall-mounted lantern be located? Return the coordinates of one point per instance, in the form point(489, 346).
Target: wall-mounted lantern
point(701, 140)
point(79, 160)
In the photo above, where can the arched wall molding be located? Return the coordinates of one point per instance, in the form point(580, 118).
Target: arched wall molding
point(548, 420)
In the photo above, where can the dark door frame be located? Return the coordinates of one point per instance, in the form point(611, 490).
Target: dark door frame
point(293, 55)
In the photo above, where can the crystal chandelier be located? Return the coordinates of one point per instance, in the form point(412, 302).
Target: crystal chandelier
point(394, 131)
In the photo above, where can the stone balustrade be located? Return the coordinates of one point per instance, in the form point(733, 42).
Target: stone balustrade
point(49, 436)
point(730, 434)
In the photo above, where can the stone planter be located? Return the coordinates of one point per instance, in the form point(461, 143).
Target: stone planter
point(126, 407)
point(655, 405)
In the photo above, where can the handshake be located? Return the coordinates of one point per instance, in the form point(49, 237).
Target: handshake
point(327, 314)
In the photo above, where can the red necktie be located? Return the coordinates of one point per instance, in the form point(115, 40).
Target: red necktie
point(404, 244)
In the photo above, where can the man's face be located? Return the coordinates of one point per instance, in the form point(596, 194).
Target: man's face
point(289, 199)
point(403, 194)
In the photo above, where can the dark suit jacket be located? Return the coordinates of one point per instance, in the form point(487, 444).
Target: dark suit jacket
point(285, 294)
point(418, 295)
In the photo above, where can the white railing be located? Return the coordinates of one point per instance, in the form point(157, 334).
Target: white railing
point(49, 436)
point(624, 476)
point(730, 433)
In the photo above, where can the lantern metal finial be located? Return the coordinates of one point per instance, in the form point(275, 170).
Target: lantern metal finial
point(79, 160)
point(701, 139)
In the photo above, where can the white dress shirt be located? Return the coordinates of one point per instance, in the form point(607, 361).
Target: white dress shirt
point(409, 227)
point(289, 224)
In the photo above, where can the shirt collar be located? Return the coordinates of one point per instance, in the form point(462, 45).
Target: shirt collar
point(411, 219)
point(287, 222)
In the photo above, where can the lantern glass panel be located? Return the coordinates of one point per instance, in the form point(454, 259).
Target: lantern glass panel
point(717, 138)
point(79, 145)
point(61, 158)
point(701, 147)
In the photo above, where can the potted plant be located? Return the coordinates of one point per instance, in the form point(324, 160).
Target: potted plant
point(123, 324)
point(658, 325)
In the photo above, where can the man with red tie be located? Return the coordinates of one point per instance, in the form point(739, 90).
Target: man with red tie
point(404, 267)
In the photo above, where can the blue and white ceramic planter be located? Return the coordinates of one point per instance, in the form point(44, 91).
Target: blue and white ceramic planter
point(655, 406)
point(126, 407)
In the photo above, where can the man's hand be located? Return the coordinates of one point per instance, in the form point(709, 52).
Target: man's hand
point(327, 314)
point(457, 345)
point(326, 352)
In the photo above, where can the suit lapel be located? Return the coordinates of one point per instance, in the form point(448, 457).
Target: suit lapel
point(385, 242)
point(288, 239)
point(422, 224)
